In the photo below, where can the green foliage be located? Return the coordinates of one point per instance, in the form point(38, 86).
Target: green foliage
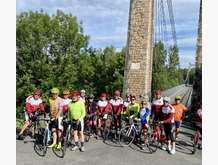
point(53, 51)
point(165, 74)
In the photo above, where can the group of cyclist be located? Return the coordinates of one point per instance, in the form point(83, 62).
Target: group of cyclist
point(78, 108)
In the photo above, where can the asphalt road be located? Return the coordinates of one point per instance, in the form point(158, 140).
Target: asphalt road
point(99, 153)
point(111, 153)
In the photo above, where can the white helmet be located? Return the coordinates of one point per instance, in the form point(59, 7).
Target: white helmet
point(83, 91)
point(167, 99)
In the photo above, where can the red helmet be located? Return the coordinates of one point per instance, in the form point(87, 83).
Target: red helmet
point(36, 91)
point(117, 93)
point(103, 94)
point(74, 93)
point(158, 92)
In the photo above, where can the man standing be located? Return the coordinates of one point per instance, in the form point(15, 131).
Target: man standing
point(157, 103)
point(33, 103)
point(117, 107)
point(179, 110)
point(76, 113)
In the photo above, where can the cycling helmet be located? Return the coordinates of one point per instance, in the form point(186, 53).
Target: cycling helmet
point(82, 91)
point(36, 91)
point(74, 93)
point(117, 93)
point(103, 94)
point(166, 99)
point(66, 92)
point(158, 92)
point(91, 96)
point(55, 91)
point(178, 98)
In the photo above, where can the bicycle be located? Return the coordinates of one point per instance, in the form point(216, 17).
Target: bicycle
point(34, 122)
point(155, 136)
point(42, 138)
point(88, 128)
point(196, 139)
point(133, 132)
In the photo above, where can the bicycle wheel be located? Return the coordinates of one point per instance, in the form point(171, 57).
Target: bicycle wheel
point(39, 145)
point(195, 142)
point(153, 142)
point(106, 133)
point(126, 136)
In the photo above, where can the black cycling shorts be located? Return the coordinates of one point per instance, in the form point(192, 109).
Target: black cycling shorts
point(75, 126)
point(54, 124)
point(169, 131)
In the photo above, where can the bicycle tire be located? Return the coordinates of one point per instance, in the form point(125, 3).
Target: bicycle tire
point(123, 136)
point(45, 141)
point(153, 142)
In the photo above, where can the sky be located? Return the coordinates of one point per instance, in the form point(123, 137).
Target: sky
point(106, 21)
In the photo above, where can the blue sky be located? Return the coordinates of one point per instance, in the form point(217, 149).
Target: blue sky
point(106, 21)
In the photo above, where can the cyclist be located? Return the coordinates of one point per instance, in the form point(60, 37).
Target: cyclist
point(157, 103)
point(91, 113)
point(65, 101)
point(82, 96)
point(103, 108)
point(198, 119)
point(145, 112)
point(33, 103)
point(179, 111)
point(76, 114)
point(126, 102)
point(132, 110)
point(56, 107)
point(117, 107)
point(168, 121)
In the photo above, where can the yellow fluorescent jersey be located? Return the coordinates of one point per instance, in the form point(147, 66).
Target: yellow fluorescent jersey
point(76, 110)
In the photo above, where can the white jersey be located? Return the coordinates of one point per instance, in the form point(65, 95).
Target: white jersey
point(66, 101)
point(157, 101)
point(33, 101)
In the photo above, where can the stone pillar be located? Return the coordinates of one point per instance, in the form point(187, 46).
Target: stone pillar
point(139, 56)
point(197, 85)
point(199, 40)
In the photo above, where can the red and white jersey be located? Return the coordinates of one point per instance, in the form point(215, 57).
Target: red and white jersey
point(168, 114)
point(157, 104)
point(117, 105)
point(103, 106)
point(33, 104)
point(65, 103)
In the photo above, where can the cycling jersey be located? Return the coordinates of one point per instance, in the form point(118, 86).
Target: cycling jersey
point(76, 110)
point(65, 103)
point(145, 115)
point(117, 105)
point(133, 109)
point(83, 99)
point(56, 105)
point(33, 104)
point(156, 105)
point(168, 114)
point(103, 107)
point(91, 108)
point(179, 110)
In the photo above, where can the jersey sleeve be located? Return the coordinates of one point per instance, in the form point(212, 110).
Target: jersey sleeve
point(83, 111)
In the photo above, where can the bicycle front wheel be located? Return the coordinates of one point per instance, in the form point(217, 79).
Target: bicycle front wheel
point(126, 136)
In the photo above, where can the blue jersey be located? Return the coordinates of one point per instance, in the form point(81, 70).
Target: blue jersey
point(145, 115)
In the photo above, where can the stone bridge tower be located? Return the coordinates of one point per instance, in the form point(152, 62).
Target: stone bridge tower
point(139, 56)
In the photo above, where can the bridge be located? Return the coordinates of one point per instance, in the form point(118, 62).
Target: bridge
point(138, 66)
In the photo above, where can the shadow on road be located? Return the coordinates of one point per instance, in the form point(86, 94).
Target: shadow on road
point(184, 146)
point(137, 147)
